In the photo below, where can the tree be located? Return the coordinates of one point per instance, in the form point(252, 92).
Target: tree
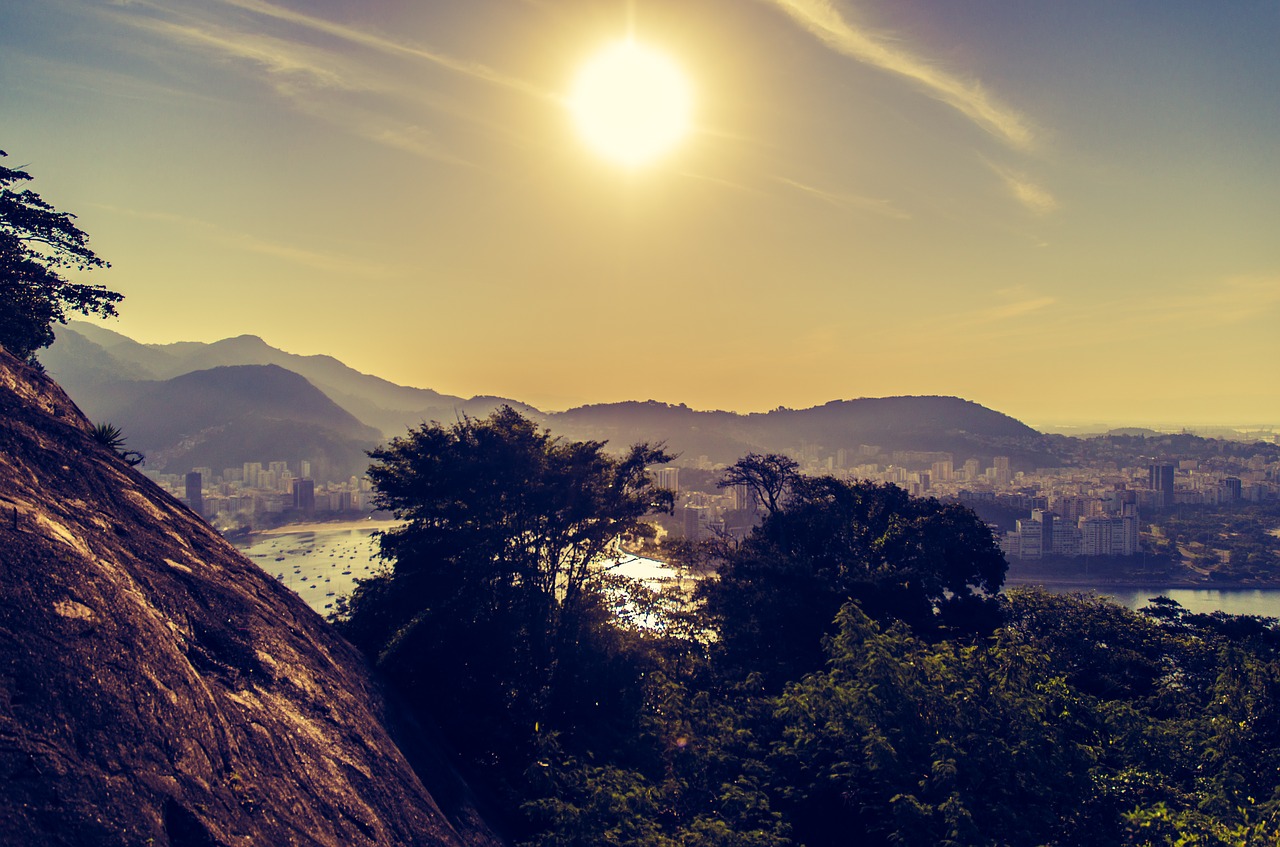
point(930, 565)
point(768, 477)
point(493, 616)
point(38, 244)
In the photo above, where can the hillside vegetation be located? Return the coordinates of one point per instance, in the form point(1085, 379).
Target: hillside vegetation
point(847, 674)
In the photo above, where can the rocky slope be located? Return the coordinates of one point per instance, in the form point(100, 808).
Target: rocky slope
point(158, 688)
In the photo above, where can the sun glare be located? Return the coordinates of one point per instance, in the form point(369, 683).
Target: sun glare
point(631, 104)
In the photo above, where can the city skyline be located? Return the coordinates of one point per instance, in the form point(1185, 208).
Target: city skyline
point(1058, 213)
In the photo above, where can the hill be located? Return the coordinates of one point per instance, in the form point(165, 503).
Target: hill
point(107, 381)
point(158, 688)
point(920, 424)
point(225, 416)
point(376, 402)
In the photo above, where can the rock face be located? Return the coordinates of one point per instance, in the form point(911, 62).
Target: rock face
point(158, 688)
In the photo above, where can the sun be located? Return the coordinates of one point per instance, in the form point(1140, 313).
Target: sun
point(631, 104)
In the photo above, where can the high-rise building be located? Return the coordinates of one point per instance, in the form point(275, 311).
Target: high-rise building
point(1231, 488)
point(304, 495)
point(195, 492)
point(1160, 480)
point(693, 520)
point(668, 478)
point(1036, 535)
point(1004, 472)
point(1131, 542)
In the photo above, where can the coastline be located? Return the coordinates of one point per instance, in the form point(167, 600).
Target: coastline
point(324, 526)
point(1136, 584)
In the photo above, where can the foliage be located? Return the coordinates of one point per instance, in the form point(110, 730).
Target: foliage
point(110, 436)
point(852, 676)
point(493, 616)
point(769, 478)
point(934, 743)
point(930, 565)
point(37, 245)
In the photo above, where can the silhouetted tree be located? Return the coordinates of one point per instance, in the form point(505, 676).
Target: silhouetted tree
point(929, 565)
point(38, 244)
point(768, 477)
point(493, 616)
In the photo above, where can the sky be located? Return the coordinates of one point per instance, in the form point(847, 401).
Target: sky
point(1063, 211)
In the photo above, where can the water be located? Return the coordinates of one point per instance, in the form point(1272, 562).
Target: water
point(322, 561)
point(1233, 601)
point(318, 561)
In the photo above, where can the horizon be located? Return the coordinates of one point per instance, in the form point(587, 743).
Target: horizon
point(1088, 427)
point(1059, 214)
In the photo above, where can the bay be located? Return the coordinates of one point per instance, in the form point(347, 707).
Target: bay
point(1233, 601)
point(321, 562)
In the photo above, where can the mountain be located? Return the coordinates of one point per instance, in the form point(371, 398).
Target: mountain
point(225, 416)
point(388, 407)
point(921, 424)
point(156, 687)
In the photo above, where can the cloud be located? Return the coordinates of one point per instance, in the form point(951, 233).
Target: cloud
point(250, 243)
point(414, 140)
point(1225, 302)
point(1026, 191)
point(276, 56)
point(847, 201)
point(385, 45)
point(1015, 309)
point(823, 20)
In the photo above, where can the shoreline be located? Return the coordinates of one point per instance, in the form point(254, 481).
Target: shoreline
point(323, 526)
point(1101, 585)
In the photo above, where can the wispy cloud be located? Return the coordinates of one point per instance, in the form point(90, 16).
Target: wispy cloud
point(1013, 309)
point(847, 201)
point(380, 43)
point(824, 20)
point(250, 243)
point(302, 64)
point(414, 140)
point(278, 57)
point(726, 183)
point(1035, 197)
point(1228, 301)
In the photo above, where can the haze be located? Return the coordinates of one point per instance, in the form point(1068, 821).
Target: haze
point(1065, 212)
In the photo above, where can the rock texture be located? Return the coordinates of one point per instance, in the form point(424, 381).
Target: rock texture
point(158, 688)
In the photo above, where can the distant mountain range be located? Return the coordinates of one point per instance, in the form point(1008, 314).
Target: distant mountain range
point(194, 404)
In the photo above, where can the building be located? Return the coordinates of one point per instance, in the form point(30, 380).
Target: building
point(304, 495)
point(194, 483)
point(668, 478)
point(1036, 535)
point(694, 522)
point(1160, 480)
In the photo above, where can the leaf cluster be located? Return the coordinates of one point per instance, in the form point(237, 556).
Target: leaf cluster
point(38, 244)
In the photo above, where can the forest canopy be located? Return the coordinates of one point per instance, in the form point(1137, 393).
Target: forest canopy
point(848, 673)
